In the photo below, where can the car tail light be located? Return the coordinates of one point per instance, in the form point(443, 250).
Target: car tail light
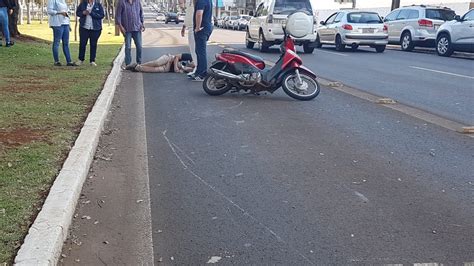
point(425, 23)
point(270, 19)
point(385, 28)
point(347, 27)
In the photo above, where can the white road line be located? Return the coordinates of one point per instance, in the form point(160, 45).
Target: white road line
point(442, 72)
point(319, 50)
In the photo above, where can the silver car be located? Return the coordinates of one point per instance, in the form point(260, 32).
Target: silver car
point(416, 25)
point(353, 28)
point(456, 35)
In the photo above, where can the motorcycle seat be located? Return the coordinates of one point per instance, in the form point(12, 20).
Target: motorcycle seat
point(255, 58)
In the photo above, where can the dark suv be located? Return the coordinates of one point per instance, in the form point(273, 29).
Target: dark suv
point(170, 16)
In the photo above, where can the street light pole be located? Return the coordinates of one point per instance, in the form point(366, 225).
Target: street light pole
point(395, 4)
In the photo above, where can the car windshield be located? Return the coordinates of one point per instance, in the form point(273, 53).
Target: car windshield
point(288, 6)
point(440, 14)
point(364, 18)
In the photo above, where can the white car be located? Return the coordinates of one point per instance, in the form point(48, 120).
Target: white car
point(416, 25)
point(353, 28)
point(266, 25)
point(456, 35)
point(160, 17)
point(230, 21)
point(181, 17)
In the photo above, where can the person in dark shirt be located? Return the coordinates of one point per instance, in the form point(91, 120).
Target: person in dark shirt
point(202, 32)
point(6, 8)
point(129, 18)
point(90, 13)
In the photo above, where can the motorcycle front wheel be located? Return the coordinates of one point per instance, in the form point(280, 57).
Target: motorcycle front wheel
point(215, 86)
point(307, 90)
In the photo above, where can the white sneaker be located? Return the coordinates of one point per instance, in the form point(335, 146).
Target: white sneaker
point(93, 64)
point(78, 63)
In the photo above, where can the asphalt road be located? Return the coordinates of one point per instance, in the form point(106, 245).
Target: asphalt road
point(443, 86)
point(244, 179)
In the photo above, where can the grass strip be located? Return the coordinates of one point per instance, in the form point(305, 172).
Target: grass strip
point(42, 108)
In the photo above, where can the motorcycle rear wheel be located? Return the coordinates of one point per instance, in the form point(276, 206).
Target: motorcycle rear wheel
point(307, 91)
point(215, 86)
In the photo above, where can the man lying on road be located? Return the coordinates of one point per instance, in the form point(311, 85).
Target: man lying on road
point(179, 63)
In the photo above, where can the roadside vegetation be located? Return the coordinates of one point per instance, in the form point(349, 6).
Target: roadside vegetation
point(42, 108)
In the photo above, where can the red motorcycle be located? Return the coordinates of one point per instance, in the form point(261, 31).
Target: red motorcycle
point(235, 70)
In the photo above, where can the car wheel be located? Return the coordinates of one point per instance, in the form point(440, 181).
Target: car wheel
point(308, 48)
point(444, 46)
point(249, 44)
point(354, 47)
point(380, 48)
point(263, 45)
point(340, 47)
point(318, 43)
point(406, 42)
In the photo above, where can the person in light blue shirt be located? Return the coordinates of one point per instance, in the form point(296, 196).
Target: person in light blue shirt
point(59, 22)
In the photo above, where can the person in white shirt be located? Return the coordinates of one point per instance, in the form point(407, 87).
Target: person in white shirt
point(188, 5)
point(59, 22)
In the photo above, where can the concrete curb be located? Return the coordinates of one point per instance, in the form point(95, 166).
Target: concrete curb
point(44, 242)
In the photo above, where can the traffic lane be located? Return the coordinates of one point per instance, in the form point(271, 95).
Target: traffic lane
point(371, 186)
point(411, 78)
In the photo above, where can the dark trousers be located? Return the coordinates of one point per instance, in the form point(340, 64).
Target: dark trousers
point(201, 39)
point(85, 35)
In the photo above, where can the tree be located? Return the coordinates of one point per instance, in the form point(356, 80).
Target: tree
point(13, 20)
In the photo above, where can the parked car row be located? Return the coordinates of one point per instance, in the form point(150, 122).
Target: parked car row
point(409, 26)
point(233, 22)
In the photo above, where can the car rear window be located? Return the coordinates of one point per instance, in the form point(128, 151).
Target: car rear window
point(440, 14)
point(364, 18)
point(288, 6)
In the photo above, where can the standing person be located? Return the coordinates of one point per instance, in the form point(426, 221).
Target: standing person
point(6, 8)
point(59, 22)
point(188, 5)
point(202, 32)
point(90, 15)
point(129, 18)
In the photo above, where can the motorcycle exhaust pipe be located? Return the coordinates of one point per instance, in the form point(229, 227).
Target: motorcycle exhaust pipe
point(227, 75)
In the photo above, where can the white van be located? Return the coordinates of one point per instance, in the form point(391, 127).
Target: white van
point(265, 26)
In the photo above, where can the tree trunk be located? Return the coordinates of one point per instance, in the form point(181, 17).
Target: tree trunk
point(107, 10)
point(13, 20)
point(117, 29)
point(21, 15)
point(42, 12)
point(28, 12)
point(76, 4)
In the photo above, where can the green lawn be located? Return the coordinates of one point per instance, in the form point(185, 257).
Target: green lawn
point(42, 108)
